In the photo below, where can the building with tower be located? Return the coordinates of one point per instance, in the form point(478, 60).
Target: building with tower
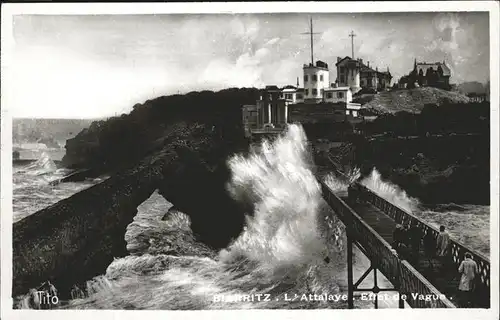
point(316, 79)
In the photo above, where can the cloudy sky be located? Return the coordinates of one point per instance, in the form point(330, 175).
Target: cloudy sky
point(101, 65)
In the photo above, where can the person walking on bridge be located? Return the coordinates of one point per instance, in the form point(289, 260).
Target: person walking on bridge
point(415, 235)
point(397, 236)
point(430, 247)
point(443, 240)
point(468, 269)
point(400, 242)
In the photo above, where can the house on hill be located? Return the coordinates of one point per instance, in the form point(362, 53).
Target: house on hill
point(357, 75)
point(435, 74)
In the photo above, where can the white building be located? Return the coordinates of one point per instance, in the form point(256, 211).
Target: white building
point(357, 75)
point(292, 94)
point(316, 78)
point(348, 73)
point(337, 94)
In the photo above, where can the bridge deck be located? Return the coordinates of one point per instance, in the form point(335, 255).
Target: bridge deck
point(431, 268)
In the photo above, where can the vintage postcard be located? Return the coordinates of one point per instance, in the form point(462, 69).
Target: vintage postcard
point(249, 160)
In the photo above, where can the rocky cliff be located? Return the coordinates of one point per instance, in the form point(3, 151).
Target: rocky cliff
point(178, 145)
point(435, 169)
point(77, 238)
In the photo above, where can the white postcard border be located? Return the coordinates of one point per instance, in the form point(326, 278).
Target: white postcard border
point(8, 10)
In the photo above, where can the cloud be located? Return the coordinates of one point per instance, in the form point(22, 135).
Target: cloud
point(454, 41)
point(56, 84)
point(221, 73)
point(272, 41)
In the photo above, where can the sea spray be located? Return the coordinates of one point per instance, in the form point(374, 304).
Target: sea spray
point(44, 165)
point(390, 191)
point(282, 238)
point(340, 184)
point(32, 190)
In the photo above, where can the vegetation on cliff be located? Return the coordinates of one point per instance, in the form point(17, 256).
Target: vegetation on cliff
point(128, 138)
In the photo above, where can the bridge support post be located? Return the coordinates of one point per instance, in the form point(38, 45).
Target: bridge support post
point(350, 278)
point(354, 286)
point(401, 304)
point(376, 289)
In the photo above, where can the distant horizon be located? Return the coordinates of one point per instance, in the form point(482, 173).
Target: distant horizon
point(181, 93)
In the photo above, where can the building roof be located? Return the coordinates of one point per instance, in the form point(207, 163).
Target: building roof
point(434, 65)
point(249, 106)
point(340, 60)
point(337, 89)
point(271, 88)
point(289, 87)
point(319, 65)
point(363, 67)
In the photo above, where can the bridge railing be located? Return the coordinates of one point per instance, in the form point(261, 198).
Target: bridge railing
point(456, 251)
point(405, 278)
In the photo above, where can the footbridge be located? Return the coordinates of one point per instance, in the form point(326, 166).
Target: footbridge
point(426, 282)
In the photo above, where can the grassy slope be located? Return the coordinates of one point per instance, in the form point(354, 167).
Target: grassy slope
point(411, 100)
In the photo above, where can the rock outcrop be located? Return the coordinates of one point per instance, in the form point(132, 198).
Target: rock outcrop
point(178, 145)
point(435, 169)
point(77, 238)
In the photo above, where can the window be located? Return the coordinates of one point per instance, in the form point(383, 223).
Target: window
point(288, 96)
point(315, 92)
point(306, 92)
point(340, 95)
point(299, 96)
point(341, 70)
point(315, 77)
point(305, 78)
point(329, 95)
point(342, 78)
point(321, 77)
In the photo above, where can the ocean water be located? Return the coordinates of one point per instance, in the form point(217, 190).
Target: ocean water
point(279, 257)
point(31, 184)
